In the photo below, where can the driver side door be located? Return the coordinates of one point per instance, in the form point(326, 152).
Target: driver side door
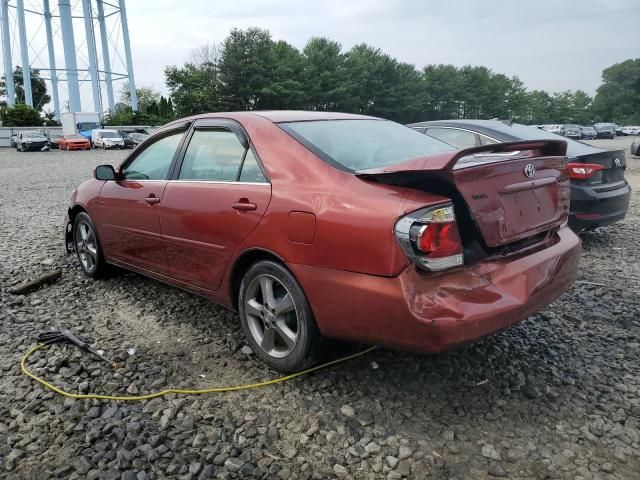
point(129, 208)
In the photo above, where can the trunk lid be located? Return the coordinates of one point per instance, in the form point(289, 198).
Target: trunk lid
point(511, 191)
point(611, 177)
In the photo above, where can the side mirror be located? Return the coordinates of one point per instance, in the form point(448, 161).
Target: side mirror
point(104, 172)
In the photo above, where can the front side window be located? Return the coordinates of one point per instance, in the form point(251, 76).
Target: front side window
point(154, 161)
point(362, 144)
point(453, 136)
point(213, 155)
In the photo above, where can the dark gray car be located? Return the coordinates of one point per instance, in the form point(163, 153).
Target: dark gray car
point(605, 130)
point(599, 192)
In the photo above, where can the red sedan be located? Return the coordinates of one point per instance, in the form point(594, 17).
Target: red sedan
point(74, 142)
point(325, 225)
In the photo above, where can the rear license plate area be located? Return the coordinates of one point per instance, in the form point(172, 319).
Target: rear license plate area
point(526, 210)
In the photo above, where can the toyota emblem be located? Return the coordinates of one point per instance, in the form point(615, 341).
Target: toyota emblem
point(617, 161)
point(529, 170)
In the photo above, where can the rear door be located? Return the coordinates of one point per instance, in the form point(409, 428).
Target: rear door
point(129, 208)
point(218, 194)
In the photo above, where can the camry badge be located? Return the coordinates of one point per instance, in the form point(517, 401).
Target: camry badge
point(529, 170)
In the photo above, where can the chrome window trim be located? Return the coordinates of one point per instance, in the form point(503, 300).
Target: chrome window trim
point(463, 129)
point(231, 182)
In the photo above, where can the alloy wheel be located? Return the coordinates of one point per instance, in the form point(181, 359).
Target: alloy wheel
point(86, 246)
point(271, 316)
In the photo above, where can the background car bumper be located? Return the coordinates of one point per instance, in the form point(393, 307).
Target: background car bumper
point(78, 146)
point(435, 312)
point(590, 208)
point(35, 146)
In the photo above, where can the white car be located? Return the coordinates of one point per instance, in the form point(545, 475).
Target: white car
point(631, 130)
point(106, 139)
point(557, 129)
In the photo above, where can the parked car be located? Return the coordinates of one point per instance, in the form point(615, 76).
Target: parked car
point(571, 130)
point(588, 133)
point(635, 148)
point(557, 129)
point(106, 139)
point(605, 130)
point(12, 140)
point(138, 137)
point(629, 130)
point(54, 141)
point(599, 192)
point(132, 139)
point(74, 142)
point(29, 141)
point(396, 238)
point(617, 129)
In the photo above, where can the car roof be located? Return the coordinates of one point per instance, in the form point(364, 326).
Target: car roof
point(278, 116)
point(501, 131)
point(488, 127)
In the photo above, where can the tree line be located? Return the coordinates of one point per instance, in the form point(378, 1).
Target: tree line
point(251, 71)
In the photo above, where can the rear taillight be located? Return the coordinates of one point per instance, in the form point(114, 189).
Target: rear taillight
point(582, 171)
point(430, 238)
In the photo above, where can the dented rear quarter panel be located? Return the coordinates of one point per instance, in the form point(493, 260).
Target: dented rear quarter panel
point(354, 217)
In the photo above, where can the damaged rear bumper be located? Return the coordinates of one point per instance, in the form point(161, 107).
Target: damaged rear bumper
point(432, 313)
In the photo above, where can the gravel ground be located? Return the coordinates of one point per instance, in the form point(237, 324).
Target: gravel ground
point(557, 396)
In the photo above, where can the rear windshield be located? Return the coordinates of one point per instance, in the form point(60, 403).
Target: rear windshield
point(362, 144)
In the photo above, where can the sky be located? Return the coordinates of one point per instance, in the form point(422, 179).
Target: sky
point(553, 45)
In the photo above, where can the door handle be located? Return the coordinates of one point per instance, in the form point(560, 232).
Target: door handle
point(244, 205)
point(152, 199)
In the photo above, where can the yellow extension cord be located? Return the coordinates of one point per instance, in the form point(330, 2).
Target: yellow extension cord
point(177, 391)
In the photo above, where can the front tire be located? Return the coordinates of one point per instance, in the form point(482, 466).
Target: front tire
point(87, 246)
point(276, 318)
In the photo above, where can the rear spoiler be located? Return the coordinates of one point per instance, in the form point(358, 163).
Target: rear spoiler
point(471, 157)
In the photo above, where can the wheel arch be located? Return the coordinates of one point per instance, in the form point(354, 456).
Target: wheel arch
point(72, 213)
point(242, 263)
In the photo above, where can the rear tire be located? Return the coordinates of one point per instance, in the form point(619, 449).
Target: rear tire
point(276, 318)
point(87, 246)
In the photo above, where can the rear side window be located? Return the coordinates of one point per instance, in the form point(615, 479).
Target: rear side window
point(154, 161)
point(251, 171)
point(361, 144)
point(214, 155)
point(217, 155)
point(453, 136)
